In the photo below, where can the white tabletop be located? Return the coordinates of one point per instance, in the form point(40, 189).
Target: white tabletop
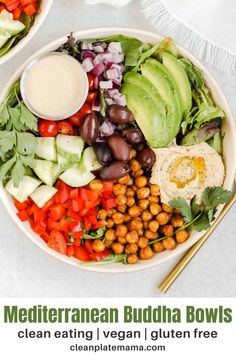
point(27, 271)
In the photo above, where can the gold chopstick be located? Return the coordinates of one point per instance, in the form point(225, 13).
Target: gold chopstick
point(172, 276)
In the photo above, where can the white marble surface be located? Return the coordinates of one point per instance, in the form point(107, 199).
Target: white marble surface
point(27, 271)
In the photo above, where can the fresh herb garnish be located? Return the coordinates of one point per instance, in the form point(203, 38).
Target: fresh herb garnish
point(17, 147)
point(112, 258)
point(93, 235)
point(201, 216)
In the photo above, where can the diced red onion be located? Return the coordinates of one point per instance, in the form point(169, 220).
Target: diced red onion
point(86, 46)
point(109, 101)
point(112, 92)
point(96, 82)
point(87, 65)
point(87, 54)
point(96, 106)
point(99, 69)
point(116, 85)
point(118, 67)
point(115, 47)
point(106, 129)
point(112, 74)
point(120, 99)
point(106, 84)
point(98, 49)
point(117, 58)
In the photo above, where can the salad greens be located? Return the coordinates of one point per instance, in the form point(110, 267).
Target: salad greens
point(201, 215)
point(93, 235)
point(17, 146)
point(112, 258)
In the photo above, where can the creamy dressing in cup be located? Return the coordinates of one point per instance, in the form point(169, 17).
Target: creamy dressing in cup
point(54, 86)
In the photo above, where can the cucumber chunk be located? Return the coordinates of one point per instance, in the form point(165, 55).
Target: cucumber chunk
point(44, 170)
point(46, 148)
point(75, 178)
point(26, 187)
point(42, 194)
point(64, 163)
point(89, 161)
point(70, 147)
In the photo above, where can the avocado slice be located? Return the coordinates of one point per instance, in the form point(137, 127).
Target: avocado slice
point(149, 114)
point(181, 78)
point(160, 77)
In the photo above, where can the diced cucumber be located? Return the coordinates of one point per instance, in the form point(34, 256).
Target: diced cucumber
point(46, 148)
point(70, 147)
point(75, 178)
point(56, 171)
point(44, 170)
point(42, 194)
point(89, 161)
point(9, 25)
point(64, 163)
point(26, 187)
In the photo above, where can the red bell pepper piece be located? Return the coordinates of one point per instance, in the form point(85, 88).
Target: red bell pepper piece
point(99, 256)
point(88, 246)
point(81, 253)
point(57, 211)
point(57, 242)
point(70, 251)
point(23, 215)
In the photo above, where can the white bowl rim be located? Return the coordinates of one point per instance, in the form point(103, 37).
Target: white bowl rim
point(33, 30)
point(143, 265)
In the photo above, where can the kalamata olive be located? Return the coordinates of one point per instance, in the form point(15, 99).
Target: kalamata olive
point(119, 114)
point(103, 153)
point(119, 147)
point(147, 158)
point(114, 170)
point(133, 136)
point(89, 128)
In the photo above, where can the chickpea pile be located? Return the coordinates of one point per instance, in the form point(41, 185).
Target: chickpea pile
point(139, 218)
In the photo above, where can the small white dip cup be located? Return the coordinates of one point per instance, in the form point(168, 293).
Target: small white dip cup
point(54, 86)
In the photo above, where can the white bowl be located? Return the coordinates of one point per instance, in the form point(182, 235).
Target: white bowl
point(229, 152)
point(44, 9)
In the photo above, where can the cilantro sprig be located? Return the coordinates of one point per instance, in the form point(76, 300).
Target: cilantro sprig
point(201, 215)
point(17, 146)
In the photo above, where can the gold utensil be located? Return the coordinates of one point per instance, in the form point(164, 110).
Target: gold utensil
point(172, 276)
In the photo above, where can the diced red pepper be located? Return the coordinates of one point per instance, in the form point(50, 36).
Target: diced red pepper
point(108, 186)
point(65, 224)
point(54, 225)
point(108, 203)
point(57, 242)
point(74, 193)
point(82, 253)
point(70, 251)
point(63, 193)
point(98, 224)
point(57, 212)
point(77, 204)
point(23, 215)
point(88, 245)
point(88, 195)
point(99, 256)
point(22, 205)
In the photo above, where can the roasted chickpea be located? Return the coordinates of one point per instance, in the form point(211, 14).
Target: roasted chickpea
point(117, 247)
point(119, 189)
point(133, 154)
point(145, 225)
point(167, 208)
point(146, 253)
point(121, 208)
point(129, 192)
point(110, 223)
point(153, 225)
point(162, 218)
point(169, 243)
point(120, 199)
point(134, 211)
point(140, 232)
point(155, 190)
point(102, 214)
point(168, 230)
point(98, 246)
point(134, 165)
point(110, 212)
point(143, 193)
point(144, 203)
point(110, 235)
point(118, 218)
point(108, 243)
point(124, 180)
point(131, 248)
point(155, 208)
point(127, 218)
point(121, 231)
point(132, 237)
point(146, 215)
point(122, 240)
point(177, 220)
point(139, 173)
point(96, 185)
point(142, 242)
point(130, 201)
point(158, 247)
point(181, 236)
point(150, 235)
point(141, 181)
point(136, 225)
point(132, 259)
point(134, 187)
point(153, 199)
